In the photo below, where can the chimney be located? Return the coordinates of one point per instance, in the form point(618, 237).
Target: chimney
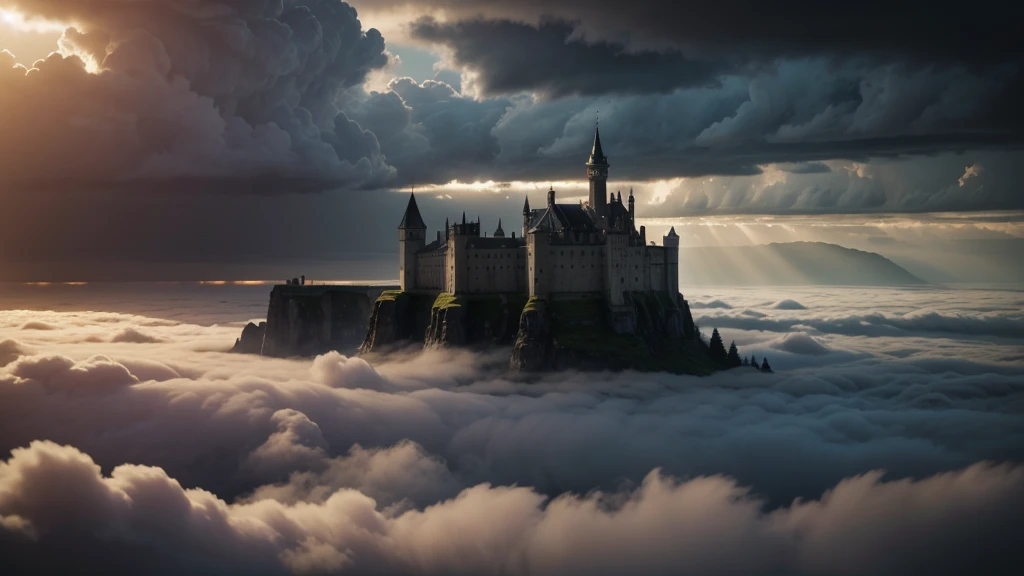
point(551, 197)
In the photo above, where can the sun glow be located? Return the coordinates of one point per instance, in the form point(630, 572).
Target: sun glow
point(18, 21)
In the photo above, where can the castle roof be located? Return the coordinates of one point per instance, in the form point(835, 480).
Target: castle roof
point(412, 218)
point(573, 217)
point(493, 243)
point(672, 233)
point(499, 233)
point(597, 156)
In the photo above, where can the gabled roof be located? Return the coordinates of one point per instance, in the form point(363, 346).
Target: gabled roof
point(547, 221)
point(575, 218)
point(412, 218)
point(572, 217)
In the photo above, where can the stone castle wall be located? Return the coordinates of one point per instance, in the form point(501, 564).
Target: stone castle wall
point(431, 270)
point(495, 270)
point(570, 268)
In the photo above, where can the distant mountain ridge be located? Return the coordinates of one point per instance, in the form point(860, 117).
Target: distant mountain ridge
point(790, 263)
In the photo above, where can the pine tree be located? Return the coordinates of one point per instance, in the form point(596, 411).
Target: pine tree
point(753, 362)
point(734, 355)
point(765, 367)
point(718, 348)
point(746, 361)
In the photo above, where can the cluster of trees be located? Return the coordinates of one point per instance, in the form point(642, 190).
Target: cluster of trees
point(731, 358)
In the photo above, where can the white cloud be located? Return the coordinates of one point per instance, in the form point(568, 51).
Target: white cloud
point(442, 463)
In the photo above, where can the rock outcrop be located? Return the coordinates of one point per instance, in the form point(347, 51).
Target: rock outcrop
point(251, 340)
point(654, 332)
point(533, 342)
point(444, 320)
point(307, 320)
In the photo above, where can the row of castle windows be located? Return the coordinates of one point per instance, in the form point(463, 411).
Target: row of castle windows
point(498, 256)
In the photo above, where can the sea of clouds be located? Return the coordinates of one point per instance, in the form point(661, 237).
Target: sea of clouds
point(890, 440)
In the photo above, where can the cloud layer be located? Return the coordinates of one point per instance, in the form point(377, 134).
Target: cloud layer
point(661, 528)
point(165, 449)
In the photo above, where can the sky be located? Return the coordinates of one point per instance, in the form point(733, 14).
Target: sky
point(210, 139)
point(889, 440)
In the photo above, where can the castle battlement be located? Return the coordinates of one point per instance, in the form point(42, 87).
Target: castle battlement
point(590, 247)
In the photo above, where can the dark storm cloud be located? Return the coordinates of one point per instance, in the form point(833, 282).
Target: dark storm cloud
point(192, 90)
point(978, 33)
point(513, 57)
point(430, 132)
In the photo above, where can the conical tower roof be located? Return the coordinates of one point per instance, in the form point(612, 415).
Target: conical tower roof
point(412, 218)
point(597, 156)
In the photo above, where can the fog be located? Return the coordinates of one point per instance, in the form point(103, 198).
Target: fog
point(134, 442)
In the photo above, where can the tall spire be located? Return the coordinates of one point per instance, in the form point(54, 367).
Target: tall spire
point(412, 218)
point(597, 157)
point(499, 233)
point(526, 206)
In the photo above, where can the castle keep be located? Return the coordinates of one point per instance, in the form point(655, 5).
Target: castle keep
point(593, 247)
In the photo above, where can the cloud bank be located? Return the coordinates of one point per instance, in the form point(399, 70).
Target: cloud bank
point(166, 454)
point(185, 90)
point(660, 528)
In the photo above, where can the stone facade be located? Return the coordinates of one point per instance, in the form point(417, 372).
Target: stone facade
point(586, 248)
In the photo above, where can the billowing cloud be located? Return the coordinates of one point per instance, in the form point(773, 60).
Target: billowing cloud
point(176, 453)
point(178, 90)
point(663, 527)
point(508, 57)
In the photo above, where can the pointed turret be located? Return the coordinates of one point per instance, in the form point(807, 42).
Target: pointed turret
point(619, 199)
point(526, 207)
point(672, 233)
point(597, 173)
point(597, 156)
point(412, 219)
point(499, 233)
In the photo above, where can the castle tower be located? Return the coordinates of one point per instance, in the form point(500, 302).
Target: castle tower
point(597, 173)
point(412, 237)
point(671, 243)
point(499, 233)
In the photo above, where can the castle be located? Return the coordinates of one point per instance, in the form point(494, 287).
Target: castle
point(592, 247)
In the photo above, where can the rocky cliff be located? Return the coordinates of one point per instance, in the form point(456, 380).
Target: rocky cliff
point(654, 332)
point(311, 320)
point(444, 320)
point(251, 340)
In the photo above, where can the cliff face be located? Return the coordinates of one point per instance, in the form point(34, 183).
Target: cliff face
point(251, 340)
point(310, 320)
point(653, 333)
point(442, 321)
